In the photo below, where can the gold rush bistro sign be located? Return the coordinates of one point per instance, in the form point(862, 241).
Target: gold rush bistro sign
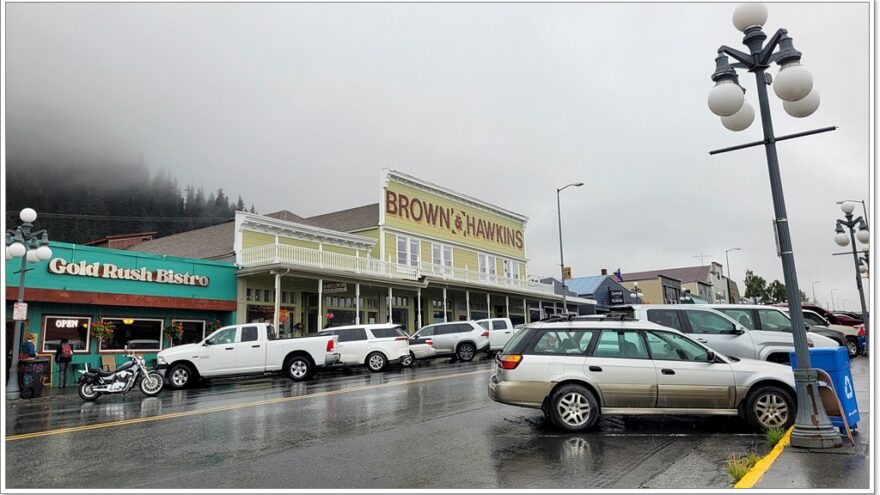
point(59, 266)
point(454, 221)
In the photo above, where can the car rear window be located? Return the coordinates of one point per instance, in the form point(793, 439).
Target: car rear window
point(385, 333)
point(484, 324)
point(519, 338)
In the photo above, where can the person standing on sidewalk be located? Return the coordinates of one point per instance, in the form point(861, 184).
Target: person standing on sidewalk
point(63, 356)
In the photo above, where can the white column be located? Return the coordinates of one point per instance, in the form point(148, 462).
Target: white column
point(320, 303)
point(525, 311)
point(488, 306)
point(277, 318)
point(444, 305)
point(418, 308)
point(467, 301)
point(507, 306)
point(555, 309)
point(357, 304)
point(390, 295)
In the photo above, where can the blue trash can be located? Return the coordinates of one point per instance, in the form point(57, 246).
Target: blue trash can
point(835, 361)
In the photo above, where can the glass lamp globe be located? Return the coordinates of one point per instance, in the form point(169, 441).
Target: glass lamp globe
point(847, 207)
point(741, 120)
point(862, 268)
point(44, 253)
point(747, 15)
point(863, 235)
point(803, 107)
point(16, 250)
point(32, 256)
point(28, 215)
point(793, 83)
point(725, 99)
point(841, 239)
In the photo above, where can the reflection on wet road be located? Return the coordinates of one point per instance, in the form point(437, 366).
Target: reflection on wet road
point(428, 427)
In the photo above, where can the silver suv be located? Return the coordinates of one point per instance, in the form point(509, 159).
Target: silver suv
point(463, 339)
point(576, 370)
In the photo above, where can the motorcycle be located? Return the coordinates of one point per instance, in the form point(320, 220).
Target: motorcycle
point(95, 382)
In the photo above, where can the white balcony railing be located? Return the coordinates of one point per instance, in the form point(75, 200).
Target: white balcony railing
point(313, 258)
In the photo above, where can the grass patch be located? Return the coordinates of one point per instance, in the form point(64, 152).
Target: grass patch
point(774, 435)
point(738, 466)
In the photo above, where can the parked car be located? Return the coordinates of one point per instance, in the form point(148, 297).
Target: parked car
point(723, 333)
point(246, 349)
point(855, 336)
point(835, 318)
point(576, 370)
point(374, 346)
point(462, 339)
point(500, 331)
point(419, 348)
point(773, 319)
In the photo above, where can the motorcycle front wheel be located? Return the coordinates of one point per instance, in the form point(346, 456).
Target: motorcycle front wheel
point(152, 385)
point(87, 392)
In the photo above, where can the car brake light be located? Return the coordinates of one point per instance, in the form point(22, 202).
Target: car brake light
point(485, 334)
point(861, 331)
point(430, 343)
point(509, 361)
point(330, 345)
point(401, 338)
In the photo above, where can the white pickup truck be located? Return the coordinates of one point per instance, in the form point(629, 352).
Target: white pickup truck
point(251, 348)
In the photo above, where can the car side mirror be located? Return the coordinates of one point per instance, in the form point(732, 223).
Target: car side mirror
point(739, 331)
point(710, 357)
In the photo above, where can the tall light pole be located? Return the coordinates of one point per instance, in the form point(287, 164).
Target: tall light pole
point(727, 260)
point(794, 85)
point(813, 283)
point(832, 299)
point(864, 236)
point(29, 246)
point(561, 262)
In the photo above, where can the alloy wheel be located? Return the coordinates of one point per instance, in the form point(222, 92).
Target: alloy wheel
point(180, 377)
point(852, 348)
point(298, 369)
point(574, 409)
point(466, 352)
point(376, 362)
point(771, 410)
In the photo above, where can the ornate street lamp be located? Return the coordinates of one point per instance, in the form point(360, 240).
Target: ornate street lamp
point(561, 262)
point(842, 240)
point(30, 247)
point(794, 85)
point(637, 293)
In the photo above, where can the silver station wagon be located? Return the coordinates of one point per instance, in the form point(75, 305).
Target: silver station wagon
point(576, 370)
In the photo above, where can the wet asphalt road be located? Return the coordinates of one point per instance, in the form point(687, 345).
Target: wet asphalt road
point(428, 427)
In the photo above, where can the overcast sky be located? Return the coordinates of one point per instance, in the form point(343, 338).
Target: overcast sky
point(298, 106)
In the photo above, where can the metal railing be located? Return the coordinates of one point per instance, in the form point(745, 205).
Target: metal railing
point(283, 253)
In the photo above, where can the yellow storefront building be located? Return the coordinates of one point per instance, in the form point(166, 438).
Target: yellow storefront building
point(423, 254)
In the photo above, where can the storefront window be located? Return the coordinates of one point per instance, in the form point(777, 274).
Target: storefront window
point(74, 329)
point(260, 314)
point(400, 317)
point(193, 331)
point(340, 317)
point(137, 334)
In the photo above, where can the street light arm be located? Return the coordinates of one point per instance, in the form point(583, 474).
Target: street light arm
point(766, 56)
point(745, 58)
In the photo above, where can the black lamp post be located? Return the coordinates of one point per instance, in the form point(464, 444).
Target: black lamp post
point(794, 85)
point(29, 246)
point(561, 262)
point(864, 236)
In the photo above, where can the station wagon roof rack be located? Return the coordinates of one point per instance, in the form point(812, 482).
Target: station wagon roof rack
point(605, 317)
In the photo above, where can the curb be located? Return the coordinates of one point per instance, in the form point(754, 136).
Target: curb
point(753, 476)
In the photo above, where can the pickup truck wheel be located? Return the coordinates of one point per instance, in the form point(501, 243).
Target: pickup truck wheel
point(466, 351)
point(852, 347)
point(298, 368)
point(376, 362)
point(408, 361)
point(179, 376)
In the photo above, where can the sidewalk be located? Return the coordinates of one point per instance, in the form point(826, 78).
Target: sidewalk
point(845, 468)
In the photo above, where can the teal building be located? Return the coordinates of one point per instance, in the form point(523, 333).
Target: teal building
point(141, 295)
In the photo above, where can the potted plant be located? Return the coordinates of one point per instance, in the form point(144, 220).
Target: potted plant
point(101, 330)
point(173, 331)
point(213, 326)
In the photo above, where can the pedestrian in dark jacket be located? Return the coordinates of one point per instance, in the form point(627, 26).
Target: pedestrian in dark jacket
point(63, 356)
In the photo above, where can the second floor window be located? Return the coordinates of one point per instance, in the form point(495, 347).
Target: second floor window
point(441, 254)
point(511, 269)
point(487, 264)
point(407, 251)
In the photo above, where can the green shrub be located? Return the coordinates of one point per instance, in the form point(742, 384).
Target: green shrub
point(774, 435)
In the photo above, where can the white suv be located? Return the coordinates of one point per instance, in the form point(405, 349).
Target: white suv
point(722, 333)
point(373, 346)
point(576, 370)
point(463, 339)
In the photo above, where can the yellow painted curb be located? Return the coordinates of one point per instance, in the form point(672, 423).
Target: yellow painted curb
point(754, 475)
point(231, 407)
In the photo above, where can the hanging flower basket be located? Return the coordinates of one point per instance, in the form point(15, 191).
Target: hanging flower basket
point(101, 330)
point(174, 331)
point(213, 325)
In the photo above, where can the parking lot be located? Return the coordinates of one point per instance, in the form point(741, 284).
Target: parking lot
point(430, 426)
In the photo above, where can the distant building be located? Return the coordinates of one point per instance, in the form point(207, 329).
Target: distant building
point(605, 290)
point(121, 241)
point(705, 283)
